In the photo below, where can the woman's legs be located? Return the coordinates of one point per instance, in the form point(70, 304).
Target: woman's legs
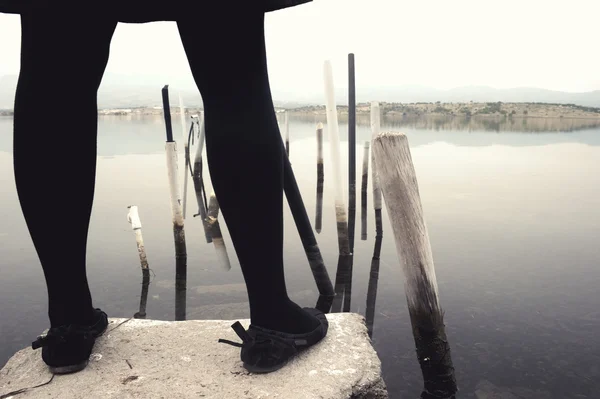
point(245, 155)
point(55, 125)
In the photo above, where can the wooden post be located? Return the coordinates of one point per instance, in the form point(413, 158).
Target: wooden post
point(141, 314)
point(198, 184)
point(287, 133)
point(342, 274)
point(401, 193)
point(133, 218)
point(375, 129)
point(365, 183)
point(320, 178)
point(215, 231)
point(309, 242)
point(180, 288)
point(172, 168)
point(351, 151)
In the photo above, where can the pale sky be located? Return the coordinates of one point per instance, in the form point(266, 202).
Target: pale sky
point(443, 44)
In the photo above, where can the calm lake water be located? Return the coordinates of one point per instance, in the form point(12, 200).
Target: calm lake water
point(513, 214)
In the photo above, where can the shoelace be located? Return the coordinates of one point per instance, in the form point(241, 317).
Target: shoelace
point(247, 339)
point(59, 335)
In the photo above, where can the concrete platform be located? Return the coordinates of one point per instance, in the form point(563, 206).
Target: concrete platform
point(158, 359)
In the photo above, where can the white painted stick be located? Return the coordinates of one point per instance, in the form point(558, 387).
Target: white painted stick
point(217, 237)
point(334, 145)
point(133, 218)
point(184, 132)
point(403, 203)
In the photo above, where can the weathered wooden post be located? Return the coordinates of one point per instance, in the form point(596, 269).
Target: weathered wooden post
point(400, 190)
point(363, 197)
point(287, 133)
point(172, 167)
point(309, 242)
point(320, 178)
point(133, 217)
point(344, 262)
point(215, 231)
point(199, 183)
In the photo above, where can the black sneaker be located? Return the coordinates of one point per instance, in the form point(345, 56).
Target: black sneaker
point(67, 349)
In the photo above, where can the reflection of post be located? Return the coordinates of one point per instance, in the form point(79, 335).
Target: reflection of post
point(180, 288)
point(320, 178)
point(172, 167)
point(399, 186)
point(212, 222)
point(363, 193)
point(144, 297)
point(373, 280)
point(309, 242)
point(133, 217)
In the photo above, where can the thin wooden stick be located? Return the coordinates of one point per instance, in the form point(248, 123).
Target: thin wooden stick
point(309, 242)
point(287, 133)
point(351, 151)
point(197, 179)
point(185, 135)
point(215, 231)
point(400, 190)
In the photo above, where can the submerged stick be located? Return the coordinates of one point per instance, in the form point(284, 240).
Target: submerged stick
point(198, 184)
point(342, 274)
point(180, 288)
point(309, 242)
point(215, 231)
point(141, 314)
point(287, 134)
point(363, 192)
point(172, 168)
point(373, 281)
point(320, 179)
point(400, 189)
point(133, 218)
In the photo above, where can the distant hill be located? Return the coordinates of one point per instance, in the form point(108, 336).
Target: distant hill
point(123, 91)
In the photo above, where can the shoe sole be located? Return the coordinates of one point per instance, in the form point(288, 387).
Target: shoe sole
point(75, 367)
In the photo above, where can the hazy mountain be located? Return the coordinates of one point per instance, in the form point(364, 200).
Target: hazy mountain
point(122, 91)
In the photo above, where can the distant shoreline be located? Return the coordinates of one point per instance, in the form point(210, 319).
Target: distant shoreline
point(401, 110)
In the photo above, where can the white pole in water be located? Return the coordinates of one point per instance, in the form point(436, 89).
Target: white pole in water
point(133, 217)
point(213, 222)
point(172, 168)
point(375, 129)
point(402, 200)
point(334, 145)
point(186, 152)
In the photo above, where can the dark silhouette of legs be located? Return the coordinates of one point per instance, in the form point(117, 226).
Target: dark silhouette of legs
point(63, 58)
point(245, 155)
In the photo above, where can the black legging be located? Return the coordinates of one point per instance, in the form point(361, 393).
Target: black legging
point(243, 143)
